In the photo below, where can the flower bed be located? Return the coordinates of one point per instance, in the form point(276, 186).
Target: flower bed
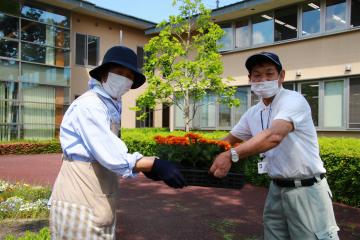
point(194, 155)
point(23, 201)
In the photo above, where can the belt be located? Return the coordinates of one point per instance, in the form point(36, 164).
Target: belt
point(297, 183)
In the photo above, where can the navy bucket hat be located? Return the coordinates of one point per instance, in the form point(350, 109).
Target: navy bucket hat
point(263, 57)
point(122, 56)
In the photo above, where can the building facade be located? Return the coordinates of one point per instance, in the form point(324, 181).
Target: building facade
point(318, 44)
point(47, 49)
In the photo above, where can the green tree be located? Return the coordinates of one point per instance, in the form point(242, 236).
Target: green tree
point(182, 63)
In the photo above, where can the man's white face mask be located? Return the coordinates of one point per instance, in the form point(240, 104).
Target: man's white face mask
point(117, 85)
point(266, 89)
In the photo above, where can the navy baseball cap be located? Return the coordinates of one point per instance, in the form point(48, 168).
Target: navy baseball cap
point(123, 56)
point(263, 57)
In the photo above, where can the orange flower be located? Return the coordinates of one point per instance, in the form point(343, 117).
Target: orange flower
point(193, 135)
point(225, 145)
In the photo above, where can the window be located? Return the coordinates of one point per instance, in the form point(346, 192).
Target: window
point(333, 104)
point(242, 95)
point(33, 96)
point(36, 32)
point(9, 48)
point(335, 16)
point(45, 16)
point(242, 34)
point(263, 30)
point(354, 103)
point(165, 115)
point(44, 34)
point(311, 18)
point(224, 116)
point(289, 86)
point(9, 33)
point(8, 110)
point(140, 57)
point(311, 93)
point(9, 70)
point(38, 111)
point(80, 49)
point(355, 10)
point(9, 27)
point(148, 121)
point(226, 41)
point(206, 111)
point(92, 50)
point(179, 116)
point(8, 113)
point(87, 50)
point(286, 23)
point(8, 90)
point(45, 75)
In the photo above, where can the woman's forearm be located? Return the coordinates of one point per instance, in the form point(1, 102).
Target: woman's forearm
point(144, 164)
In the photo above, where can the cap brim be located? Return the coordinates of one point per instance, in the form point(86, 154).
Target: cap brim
point(257, 58)
point(139, 77)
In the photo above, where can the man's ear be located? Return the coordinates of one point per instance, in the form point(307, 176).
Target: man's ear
point(282, 76)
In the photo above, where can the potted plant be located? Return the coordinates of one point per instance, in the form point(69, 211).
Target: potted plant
point(194, 155)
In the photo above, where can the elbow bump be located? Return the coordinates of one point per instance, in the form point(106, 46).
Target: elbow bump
point(276, 139)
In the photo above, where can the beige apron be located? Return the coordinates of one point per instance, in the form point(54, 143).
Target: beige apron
point(85, 185)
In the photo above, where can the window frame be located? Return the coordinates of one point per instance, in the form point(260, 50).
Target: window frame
point(86, 59)
point(297, 87)
point(347, 99)
point(299, 36)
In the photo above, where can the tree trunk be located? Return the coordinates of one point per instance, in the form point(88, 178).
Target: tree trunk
point(186, 111)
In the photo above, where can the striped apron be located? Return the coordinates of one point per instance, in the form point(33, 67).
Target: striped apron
point(83, 200)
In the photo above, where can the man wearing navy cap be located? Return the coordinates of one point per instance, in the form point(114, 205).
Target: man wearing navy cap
point(83, 200)
point(280, 129)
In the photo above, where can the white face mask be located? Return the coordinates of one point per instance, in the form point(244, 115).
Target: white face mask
point(117, 85)
point(266, 89)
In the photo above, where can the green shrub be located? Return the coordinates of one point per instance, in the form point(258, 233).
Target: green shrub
point(341, 158)
point(30, 147)
point(44, 234)
point(142, 140)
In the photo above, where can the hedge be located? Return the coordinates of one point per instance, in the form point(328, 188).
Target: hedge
point(30, 147)
point(341, 158)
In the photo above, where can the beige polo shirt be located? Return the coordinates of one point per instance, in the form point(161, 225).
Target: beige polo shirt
point(297, 156)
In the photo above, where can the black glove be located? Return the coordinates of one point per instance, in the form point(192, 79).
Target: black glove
point(152, 176)
point(168, 172)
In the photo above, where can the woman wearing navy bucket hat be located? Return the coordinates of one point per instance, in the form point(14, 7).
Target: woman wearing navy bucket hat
point(83, 199)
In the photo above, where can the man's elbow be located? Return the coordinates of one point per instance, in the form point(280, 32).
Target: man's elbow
point(275, 139)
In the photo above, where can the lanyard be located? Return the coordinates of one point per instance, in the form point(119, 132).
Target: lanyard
point(262, 155)
point(268, 120)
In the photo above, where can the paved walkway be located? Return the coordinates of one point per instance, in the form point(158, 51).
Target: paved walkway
point(151, 210)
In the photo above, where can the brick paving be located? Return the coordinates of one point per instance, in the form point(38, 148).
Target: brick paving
point(151, 210)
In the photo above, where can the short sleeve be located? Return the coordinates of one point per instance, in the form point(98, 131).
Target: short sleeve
point(242, 130)
point(295, 110)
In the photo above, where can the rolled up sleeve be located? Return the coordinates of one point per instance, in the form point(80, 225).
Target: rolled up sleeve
point(93, 125)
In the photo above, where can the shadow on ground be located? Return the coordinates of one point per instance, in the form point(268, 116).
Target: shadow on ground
point(151, 210)
point(17, 227)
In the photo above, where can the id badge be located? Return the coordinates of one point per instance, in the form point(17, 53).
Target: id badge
point(262, 167)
